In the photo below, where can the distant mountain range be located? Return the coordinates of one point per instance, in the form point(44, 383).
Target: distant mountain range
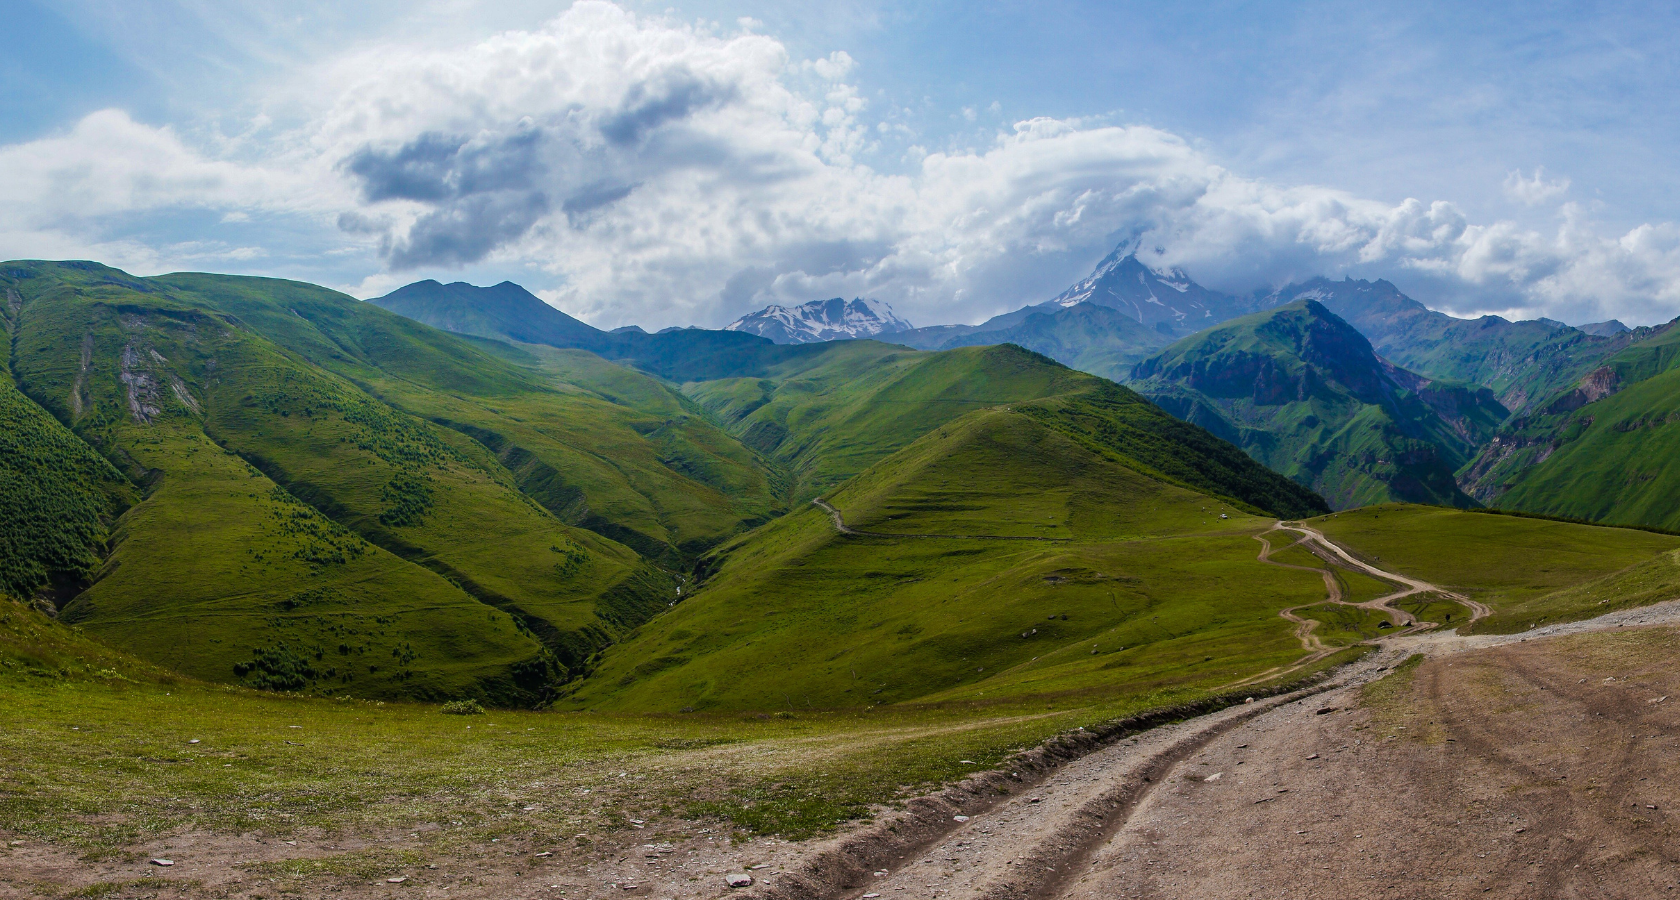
point(1381, 397)
point(821, 320)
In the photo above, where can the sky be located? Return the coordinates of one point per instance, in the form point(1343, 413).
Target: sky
point(672, 164)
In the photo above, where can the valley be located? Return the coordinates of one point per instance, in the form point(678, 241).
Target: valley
point(449, 590)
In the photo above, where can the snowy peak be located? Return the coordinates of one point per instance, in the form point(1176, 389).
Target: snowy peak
point(1163, 299)
point(821, 320)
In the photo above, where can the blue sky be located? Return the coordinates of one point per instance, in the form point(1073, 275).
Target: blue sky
point(684, 163)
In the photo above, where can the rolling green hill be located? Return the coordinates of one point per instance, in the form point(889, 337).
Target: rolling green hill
point(1301, 391)
point(598, 445)
point(1605, 450)
point(1063, 567)
point(296, 531)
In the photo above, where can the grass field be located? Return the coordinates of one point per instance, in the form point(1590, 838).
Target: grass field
point(106, 753)
point(1528, 570)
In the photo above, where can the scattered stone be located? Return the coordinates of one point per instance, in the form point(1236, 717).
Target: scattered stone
point(166, 863)
point(397, 879)
point(959, 818)
point(881, 874)
point(195, 740)
point(1035, 800)
point(1650, 806)
point(1242, 746)
point(738, 880)
point(1314, 756)
point(1326, 710)
point(545, 854)
point(1213, 777)
point(870, 896)
point(1248, 700)
point(757, 867)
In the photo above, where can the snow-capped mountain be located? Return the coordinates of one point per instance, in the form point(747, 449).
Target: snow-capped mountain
point(1163, 299)
point(821, 320)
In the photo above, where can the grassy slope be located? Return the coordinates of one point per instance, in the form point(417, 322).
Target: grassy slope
point(1524, 568)
point(1301, 391)
point(218, 567)
point(831, 414)
point(426, 494)
point(597, 444)
point(1616, 459)
point(1158, 593)
point(57, 496)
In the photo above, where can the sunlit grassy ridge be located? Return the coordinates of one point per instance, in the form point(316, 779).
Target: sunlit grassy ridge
point(1141, 588)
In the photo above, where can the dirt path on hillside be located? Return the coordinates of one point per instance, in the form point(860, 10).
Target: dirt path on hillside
point(1301, 796)
point(841, 526)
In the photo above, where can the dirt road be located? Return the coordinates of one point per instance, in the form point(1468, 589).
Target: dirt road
point(1503, 765)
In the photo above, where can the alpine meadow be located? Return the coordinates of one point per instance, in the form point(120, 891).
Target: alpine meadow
point(913, 452)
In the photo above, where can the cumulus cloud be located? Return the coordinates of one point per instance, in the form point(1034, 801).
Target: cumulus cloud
point(1534, 190)
point(666, 173)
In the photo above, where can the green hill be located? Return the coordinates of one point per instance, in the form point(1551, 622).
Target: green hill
point(1524, 363)
point(58, 498)
point(598, 445)
point(296, 531)
point(1301, 391)
point(1063, 566)
point(1097, 339)
point(1604, 450)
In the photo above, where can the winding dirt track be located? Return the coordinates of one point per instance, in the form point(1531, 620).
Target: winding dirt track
point(1100, 825)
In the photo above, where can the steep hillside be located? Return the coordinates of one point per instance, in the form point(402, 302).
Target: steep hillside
point(1523, 362)
point(58, 498)
point(598, 445)
point(1301, 391)
point(1057, 565)
point(1605, 450)
point(297, 531)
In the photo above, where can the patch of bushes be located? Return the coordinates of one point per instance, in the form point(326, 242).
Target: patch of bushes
point(463, 708)
point(276, 668)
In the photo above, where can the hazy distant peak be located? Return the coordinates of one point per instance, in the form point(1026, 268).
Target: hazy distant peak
point(836, 319)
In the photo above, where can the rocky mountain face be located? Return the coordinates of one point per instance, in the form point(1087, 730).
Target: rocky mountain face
point(822, 320)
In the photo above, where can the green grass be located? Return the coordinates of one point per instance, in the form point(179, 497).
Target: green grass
point(597, 444)
point(1301, 391)
point(57, 496)
point(1149, 591)
point(99, 761)
point(1507, 562)
point(411, 541)
point(1654, 580)
point(1340, 624)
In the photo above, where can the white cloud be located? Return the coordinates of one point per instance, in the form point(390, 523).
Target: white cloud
point(664, 173)
point(1535, 190)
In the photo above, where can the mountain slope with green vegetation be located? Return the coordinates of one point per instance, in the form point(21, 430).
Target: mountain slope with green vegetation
point(830, 415)
point(598, 445)
point(1096, 339)
point(1034, 561)
point(1302, 392)
point(1605, 450)
point(58, 498)
point(297, 531)
point(1524, 363)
